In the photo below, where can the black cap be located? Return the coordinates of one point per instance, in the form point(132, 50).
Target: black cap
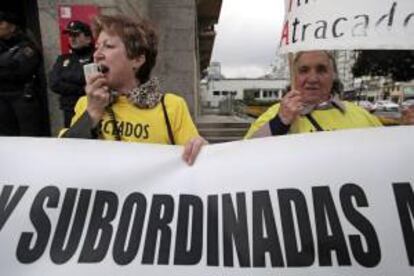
point(76, 26)
point(9, 17)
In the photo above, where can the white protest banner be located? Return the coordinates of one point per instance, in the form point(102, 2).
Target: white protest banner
point(347, 25)
point(332, 203)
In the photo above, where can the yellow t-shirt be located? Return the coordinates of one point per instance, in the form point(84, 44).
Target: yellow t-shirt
point(329, 119)
point(145, 125)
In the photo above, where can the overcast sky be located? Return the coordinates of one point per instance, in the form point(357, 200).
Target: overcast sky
point(247, 36)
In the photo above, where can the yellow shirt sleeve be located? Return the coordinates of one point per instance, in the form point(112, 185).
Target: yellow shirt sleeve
point(80, 108)
point(181, 122)
point(269, 114)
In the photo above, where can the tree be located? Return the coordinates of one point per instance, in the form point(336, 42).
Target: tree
point(396, 64)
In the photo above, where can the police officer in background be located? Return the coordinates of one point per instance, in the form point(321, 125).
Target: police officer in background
point(67, 78)
point(19, 61)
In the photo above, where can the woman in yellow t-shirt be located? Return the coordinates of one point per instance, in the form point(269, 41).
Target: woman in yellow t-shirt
point(313, 104)
point(122, 101)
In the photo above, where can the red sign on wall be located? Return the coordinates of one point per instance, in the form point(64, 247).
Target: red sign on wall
point(67, 13)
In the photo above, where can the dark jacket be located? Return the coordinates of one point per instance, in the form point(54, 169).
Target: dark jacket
point(19, 59)
point(67, 78)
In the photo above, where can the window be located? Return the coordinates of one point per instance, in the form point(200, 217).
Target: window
point(224, 93)
point(270, 93)
point(216, 93)
point(233, 93)
point(250, 94)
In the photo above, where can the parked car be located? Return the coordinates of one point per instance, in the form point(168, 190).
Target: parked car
point(386, 105)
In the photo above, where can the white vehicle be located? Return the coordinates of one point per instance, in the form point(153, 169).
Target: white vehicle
point(367, 105)
point(386, 105)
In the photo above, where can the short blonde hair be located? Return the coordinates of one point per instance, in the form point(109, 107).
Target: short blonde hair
point(139, 37)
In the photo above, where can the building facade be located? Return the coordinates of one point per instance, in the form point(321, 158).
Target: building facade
point(260, 90)
point(280, 67)
point(345, 60)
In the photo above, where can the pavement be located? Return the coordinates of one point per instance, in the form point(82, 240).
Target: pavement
point(220, 128)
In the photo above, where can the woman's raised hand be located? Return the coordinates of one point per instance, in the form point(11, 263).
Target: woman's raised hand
point(291, 106)
point(98, 96)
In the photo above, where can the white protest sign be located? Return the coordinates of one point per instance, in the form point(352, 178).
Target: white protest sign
point(347, 25)
point(332, 203)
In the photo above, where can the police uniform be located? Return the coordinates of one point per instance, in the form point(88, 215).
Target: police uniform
point(67, 79)
point(135, 124)
point(336, 115)
point(19, 109)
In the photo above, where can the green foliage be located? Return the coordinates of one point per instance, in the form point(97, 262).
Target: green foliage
point(397, 64)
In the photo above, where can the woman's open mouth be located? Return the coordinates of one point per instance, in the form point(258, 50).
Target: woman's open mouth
point(103, 68)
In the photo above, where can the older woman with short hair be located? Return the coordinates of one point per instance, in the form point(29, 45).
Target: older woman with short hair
point(122, 101)
point(313, 104)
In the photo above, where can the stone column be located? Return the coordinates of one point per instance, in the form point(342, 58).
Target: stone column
point(177, 65)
